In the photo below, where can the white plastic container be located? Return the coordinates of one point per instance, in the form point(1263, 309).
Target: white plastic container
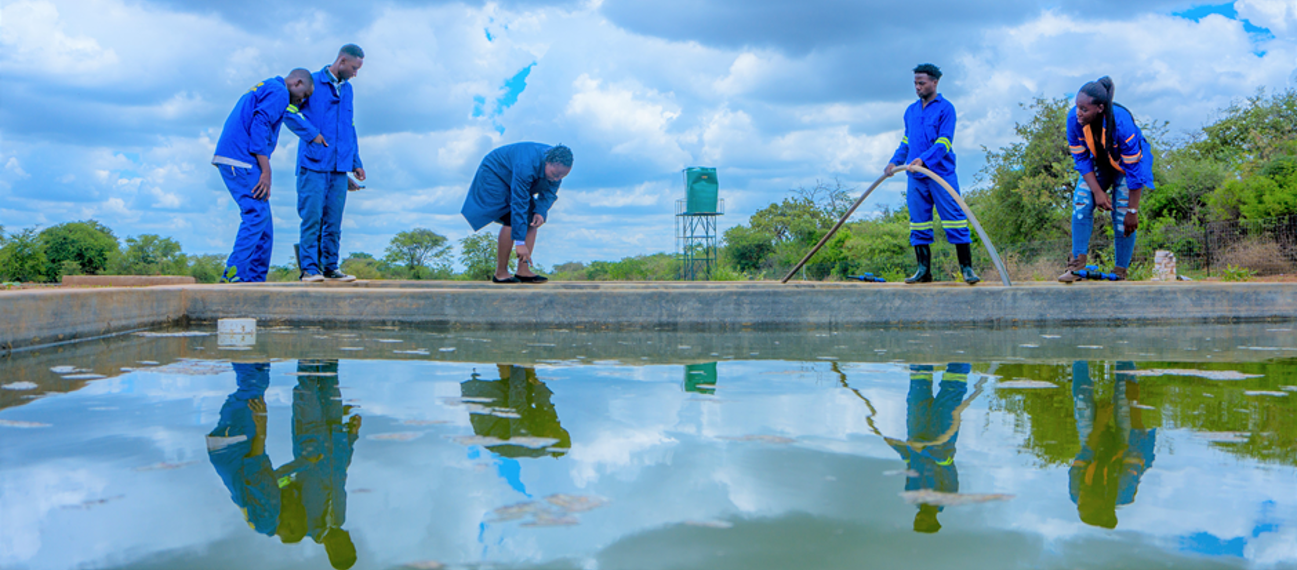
point(236, 326)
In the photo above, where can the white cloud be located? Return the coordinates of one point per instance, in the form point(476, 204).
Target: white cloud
point(33, 38)
point(1277, 15)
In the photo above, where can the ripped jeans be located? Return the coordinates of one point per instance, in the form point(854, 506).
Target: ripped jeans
point(1083, 220)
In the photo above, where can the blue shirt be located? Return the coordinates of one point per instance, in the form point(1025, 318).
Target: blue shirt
point(929, 135)
point(1136, 155)
point(253, 126)
point(329, 111)
point(511, 182)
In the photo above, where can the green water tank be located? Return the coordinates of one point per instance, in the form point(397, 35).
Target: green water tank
point(701, 190)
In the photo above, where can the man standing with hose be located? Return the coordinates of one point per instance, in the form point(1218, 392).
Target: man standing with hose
point(1111, 154)
point(929, 132)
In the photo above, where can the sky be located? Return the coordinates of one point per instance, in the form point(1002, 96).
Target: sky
point(110, 109)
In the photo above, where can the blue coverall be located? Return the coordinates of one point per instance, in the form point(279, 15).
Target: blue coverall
point(1116, 449)
point(322, 171)
point(509, 187)
point(927, 419)
point(252, 129)
point(323, 443)
point(929, 132)
point(1134, 171)
point(250, 479)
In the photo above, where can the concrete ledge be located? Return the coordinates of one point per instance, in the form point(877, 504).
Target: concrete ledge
point(41, 317)
point(126, 280)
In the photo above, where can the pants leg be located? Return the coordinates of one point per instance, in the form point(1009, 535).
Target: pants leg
point(953, 218)
point(265, 246)
point(1082, 218)
point(255, 227)
point(335, 199)
point(919, 200)
point(1124, 245)
point(311, 190)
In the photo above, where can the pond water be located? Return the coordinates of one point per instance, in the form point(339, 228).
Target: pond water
point(1170, 447)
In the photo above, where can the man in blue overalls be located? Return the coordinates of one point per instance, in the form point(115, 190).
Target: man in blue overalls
point(323, 164)
point(243, 157)
point(929, 130)
point(931, 432)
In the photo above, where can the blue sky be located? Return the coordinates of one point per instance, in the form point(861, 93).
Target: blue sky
point(111, 109)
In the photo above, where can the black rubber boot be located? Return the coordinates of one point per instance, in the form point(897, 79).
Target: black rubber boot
point(965, 254)
point(923, 253)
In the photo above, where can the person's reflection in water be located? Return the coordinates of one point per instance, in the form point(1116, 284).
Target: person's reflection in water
point(316, 497)
point(1116, 448)
point(237, 449)
point(929, 453)
point(522, 408)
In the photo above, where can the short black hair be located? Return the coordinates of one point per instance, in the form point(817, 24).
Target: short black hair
point(300, 73)
point(560, 155)
point(352, 50)
point(932, 70)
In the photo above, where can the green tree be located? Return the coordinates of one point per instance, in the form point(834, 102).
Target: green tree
point(150, 254)
point(746, 248)
point(416, 249)
point(477, 253)
point(22, 258)
point(88, 246)
point(362, 265)
point(205, 268)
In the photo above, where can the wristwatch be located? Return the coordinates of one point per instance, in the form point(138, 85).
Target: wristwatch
point(1132, 211)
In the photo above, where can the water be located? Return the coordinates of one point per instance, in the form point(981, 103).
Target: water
point(1067, 448)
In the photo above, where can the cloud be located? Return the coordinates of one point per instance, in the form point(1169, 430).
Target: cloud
point(1277, 15)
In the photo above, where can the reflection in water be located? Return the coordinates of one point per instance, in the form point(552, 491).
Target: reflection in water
point(1116, 448)
point(516, 406)
point(701, 378)
point(929, 451)
point(306, 496)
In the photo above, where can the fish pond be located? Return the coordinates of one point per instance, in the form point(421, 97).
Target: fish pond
point(392, 447)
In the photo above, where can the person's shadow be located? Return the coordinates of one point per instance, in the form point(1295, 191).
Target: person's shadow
point(931, 431)
point(306, 496)
point(1116, 448)
point(516, 405)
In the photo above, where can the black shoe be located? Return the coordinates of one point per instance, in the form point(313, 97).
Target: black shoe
point(970, 277)
point(965, 254)
point(510, 279)
point(533, 279)
point(335, 275)
point(923, 253)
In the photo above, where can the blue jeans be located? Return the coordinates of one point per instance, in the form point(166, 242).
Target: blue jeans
point(321, 197)
point(1083, 220)
point(250, 258)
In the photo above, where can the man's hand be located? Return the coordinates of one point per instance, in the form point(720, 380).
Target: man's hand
point(262, 190)
point(890, 169)
point(1102, 201)
point(1130, 224)
point(258, 407)
point(360, 174)
point(351, 185)
point(524, 254)
point(319, 139)
point(537, 221)
point(917, 162)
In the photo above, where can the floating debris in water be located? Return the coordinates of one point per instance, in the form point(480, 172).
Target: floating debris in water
point(66, 369)
point(710, 523)
point(351, 348)
point(446, 349)
point(775, 439)
point(487, 441)
point(173, 334)
point(479, 409)
point(93, 503)
point(905, 472)
point(937, 498)
point(1268, 348)
point(396, 436)
point(1025, 384)
point(1050, 336)
point(827, 357)
point(576, 503)
point(1265, 393)
point(541, 344)
point(21, 424)
point(148, 362)
point(1208, 374)
point(1224, 436)
point(684, 347)
point(1288, 388)
point(1029, 346)
point(425, 565)
point(388, 340)
point(417, 351)
point(234, 348)
point(86, 376)
point(20, 386)
point(165, 466)
point(1142, 407)
point(1278, 330)
point(1091, 346)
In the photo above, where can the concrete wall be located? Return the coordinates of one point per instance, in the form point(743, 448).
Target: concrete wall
point(42, 317)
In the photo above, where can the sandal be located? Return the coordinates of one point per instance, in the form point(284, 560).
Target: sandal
point(533, 279)
point(511, 279)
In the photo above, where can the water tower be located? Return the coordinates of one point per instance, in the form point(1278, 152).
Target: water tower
point(696, 223)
